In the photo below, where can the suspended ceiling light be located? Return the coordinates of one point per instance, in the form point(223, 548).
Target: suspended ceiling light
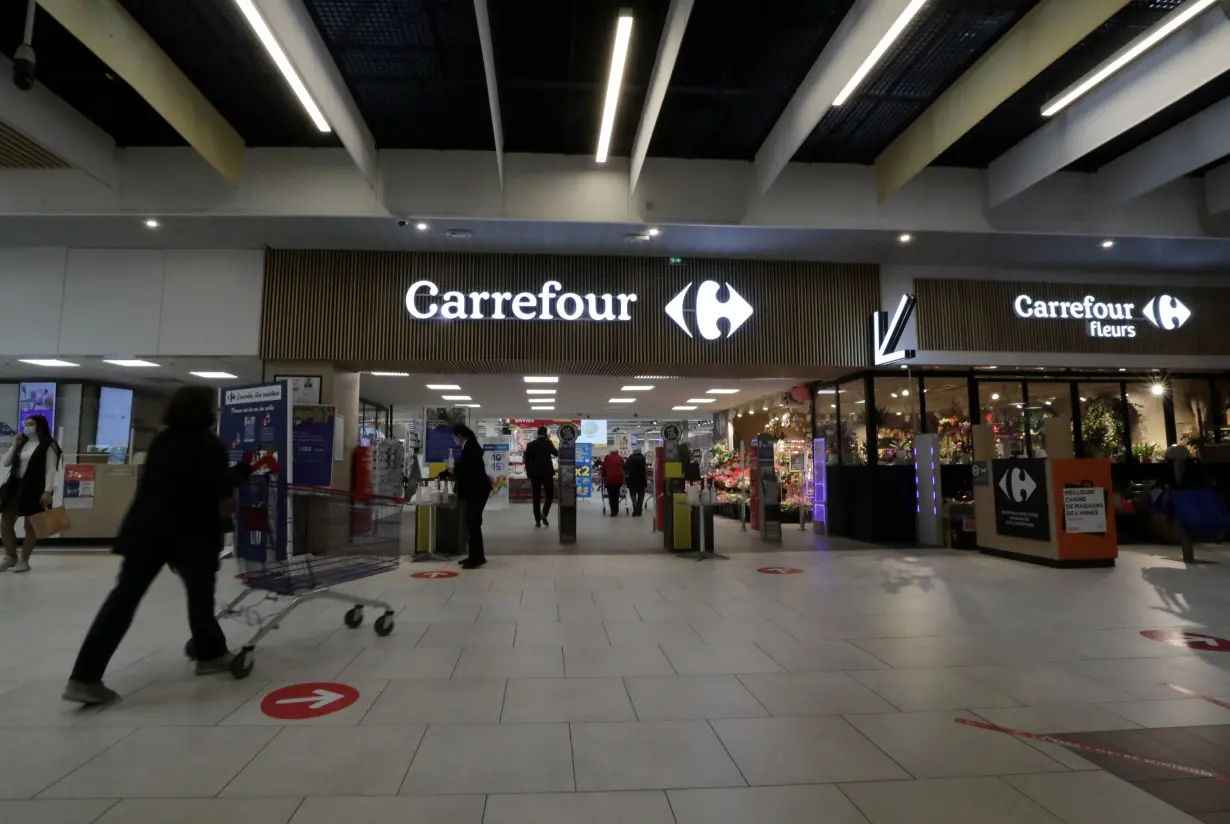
point(881, 48)
point(1169, 25)
point(282, 62)
point(619, 57)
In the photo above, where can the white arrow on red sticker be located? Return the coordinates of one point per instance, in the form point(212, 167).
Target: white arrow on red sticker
point(317, 700)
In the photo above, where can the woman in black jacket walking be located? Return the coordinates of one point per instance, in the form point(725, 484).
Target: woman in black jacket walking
point(473, 490)
point(174, 520)
point(32, 460)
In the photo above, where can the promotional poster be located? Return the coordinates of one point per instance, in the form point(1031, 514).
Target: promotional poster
point(313, 431)
point(255, 421)
point(37, 399)
point(495, 456)
point(1020, 498)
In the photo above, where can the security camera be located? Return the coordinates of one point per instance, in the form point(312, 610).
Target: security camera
point(24, 67)
point(402, 223)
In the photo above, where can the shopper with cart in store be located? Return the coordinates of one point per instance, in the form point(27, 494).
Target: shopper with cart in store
point(541, 472)
point(613, 478)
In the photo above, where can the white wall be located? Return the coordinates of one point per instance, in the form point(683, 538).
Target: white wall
point(130, 302)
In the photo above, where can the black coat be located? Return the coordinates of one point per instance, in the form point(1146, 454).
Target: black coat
point(470, 473)
point(175, 513)
point(29, 488)
point(636, 472)
point(538, 455)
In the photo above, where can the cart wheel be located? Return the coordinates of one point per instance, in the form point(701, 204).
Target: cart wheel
point(354, 617)
point(242, 663)
point(383, 625)
point(190, 650)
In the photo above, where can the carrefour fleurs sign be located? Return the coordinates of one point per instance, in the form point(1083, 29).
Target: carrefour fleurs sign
point(1105, 319)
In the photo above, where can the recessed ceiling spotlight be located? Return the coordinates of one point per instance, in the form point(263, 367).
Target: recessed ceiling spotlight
point(905, 393)
point(994, 396)
point(150, 223)
point(422, 227)
point(654, 232)
point(1158, 389)
point(1122, 368)
point(904, 237)
point(1108, 244)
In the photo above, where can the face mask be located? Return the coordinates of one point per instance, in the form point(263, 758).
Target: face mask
point(31, 432)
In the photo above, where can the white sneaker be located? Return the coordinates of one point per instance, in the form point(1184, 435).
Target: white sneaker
point(21, 566)
point(7, 563)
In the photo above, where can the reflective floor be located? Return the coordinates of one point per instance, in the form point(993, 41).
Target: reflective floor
point(617, 688)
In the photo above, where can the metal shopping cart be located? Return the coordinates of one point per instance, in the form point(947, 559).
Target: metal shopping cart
point(334, 537)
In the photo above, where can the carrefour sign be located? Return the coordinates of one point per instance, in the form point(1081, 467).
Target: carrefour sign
point(549, 303)
point(1104, 319)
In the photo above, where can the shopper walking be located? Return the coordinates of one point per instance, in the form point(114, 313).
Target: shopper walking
point(636, 478)
point(541, 472)
point(613, 478)
point(175, 519)
point(32, 461)
point(473, 490)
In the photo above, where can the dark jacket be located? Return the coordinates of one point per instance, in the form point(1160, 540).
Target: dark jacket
point(29, 487)
point(538, 456)
point(470, 473)
point(636, 472)
point(175, 513)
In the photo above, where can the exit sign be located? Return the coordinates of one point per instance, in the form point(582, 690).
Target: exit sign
point(676, 261)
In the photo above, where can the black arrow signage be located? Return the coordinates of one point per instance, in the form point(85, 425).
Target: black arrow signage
point(886, 334)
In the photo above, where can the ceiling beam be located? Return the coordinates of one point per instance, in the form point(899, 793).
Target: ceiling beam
point(1217, 189)
point(292, 26)
point(493, 89)
point(115, 38)
point(1193, 144)
point(1043, 35)
point(57, 127)
point(1190, 58)
point(663, 67)
point(862, 29)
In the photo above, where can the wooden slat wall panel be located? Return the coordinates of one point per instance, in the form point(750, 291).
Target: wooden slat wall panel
point(963, 315)
point(350, 307)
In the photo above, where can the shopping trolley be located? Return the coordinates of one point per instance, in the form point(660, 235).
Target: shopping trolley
point(334, 537)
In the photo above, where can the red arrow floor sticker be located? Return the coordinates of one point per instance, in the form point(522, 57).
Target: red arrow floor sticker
point(1072, 745)
point(779, 571)
point(1186, 638)
point(435, 573)
point(299, 702)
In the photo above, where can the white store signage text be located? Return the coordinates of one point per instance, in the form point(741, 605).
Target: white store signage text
point(1105, 319)
point(550, 303)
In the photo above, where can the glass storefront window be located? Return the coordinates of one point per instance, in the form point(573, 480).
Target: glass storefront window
point(1102, 421)
point(1002, 407)
point(853, 423)
point(1047, 400)
point(826, 420)
point(896, 419)
point(1148, 420)
point(1192, 422)
point(948, 417)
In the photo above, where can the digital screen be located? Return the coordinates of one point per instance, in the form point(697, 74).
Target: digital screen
point(37, 399)
point(592, 432)
point(114, 421)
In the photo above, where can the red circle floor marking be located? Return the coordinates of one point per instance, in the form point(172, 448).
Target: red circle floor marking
point(299, 702)
point(434, 573)
point(1184, 638)
point(779, 571)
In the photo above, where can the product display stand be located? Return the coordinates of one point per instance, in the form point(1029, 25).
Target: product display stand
point(425, 534)
point(706, 552)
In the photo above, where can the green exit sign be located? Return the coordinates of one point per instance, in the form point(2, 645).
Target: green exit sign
point(676, 261)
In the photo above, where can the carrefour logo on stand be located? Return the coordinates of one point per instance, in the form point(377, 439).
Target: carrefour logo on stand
point(1106, 319)
point(1018, 485)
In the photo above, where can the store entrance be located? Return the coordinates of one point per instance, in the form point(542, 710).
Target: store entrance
point(617, 418)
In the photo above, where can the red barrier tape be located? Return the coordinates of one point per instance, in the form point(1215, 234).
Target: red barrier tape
point(1072, 745)
point(1217, 702)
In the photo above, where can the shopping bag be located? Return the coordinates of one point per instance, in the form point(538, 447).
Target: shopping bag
point(49, 522)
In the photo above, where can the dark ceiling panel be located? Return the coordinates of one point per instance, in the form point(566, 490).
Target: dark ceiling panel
point(737, 69)
point(415, 68)
point(1021, 114)
point(553, 65)
point(943, 41)
point(71, 71)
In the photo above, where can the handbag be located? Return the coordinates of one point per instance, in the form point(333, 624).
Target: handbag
point(49, 522)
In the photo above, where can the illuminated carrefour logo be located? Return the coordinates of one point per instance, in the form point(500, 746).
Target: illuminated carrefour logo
point(1106, 319)
point(425, 302)
point(709, 310)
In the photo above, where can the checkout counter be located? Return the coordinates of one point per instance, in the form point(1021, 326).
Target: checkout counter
point(97, 495)
point(1055, 511)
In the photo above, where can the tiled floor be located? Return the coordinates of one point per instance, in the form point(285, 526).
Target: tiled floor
point(617, 688)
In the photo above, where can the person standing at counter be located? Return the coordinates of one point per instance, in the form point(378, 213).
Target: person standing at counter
point(32, 461)
point(473, 490)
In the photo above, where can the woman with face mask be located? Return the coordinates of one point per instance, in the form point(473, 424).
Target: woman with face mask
point(32, 461)
point(473, 490)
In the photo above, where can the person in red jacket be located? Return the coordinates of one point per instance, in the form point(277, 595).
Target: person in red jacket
point(613, 478)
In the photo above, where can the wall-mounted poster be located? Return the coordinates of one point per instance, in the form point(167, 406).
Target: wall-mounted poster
point(304, 389)
point(495, 456)
point(37, 399)
point(114, 421)
point(255, 421)
point(313, 430)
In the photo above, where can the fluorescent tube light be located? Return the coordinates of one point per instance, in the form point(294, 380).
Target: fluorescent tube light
point(635, 388)
point(619, 56)
point(214, 376)
point(49, 362)
point(532, 379)
point(700, 400)
point(1148, 40)
point(683, 408)
point(443, 387)
point(456, 397)
point(881, 48)
point(132, 362)
point(541, 392)
point(722, 392)
point(390, 374)
point(272, 46)
point(622, 400)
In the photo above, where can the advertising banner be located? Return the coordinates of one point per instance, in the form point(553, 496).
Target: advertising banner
point(37, 399)
point(1082, 493)
point(585, 465)
point(313, 431)
point(79, 486)
point(1020, 498)
point(495, 456)
point(255, 421)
